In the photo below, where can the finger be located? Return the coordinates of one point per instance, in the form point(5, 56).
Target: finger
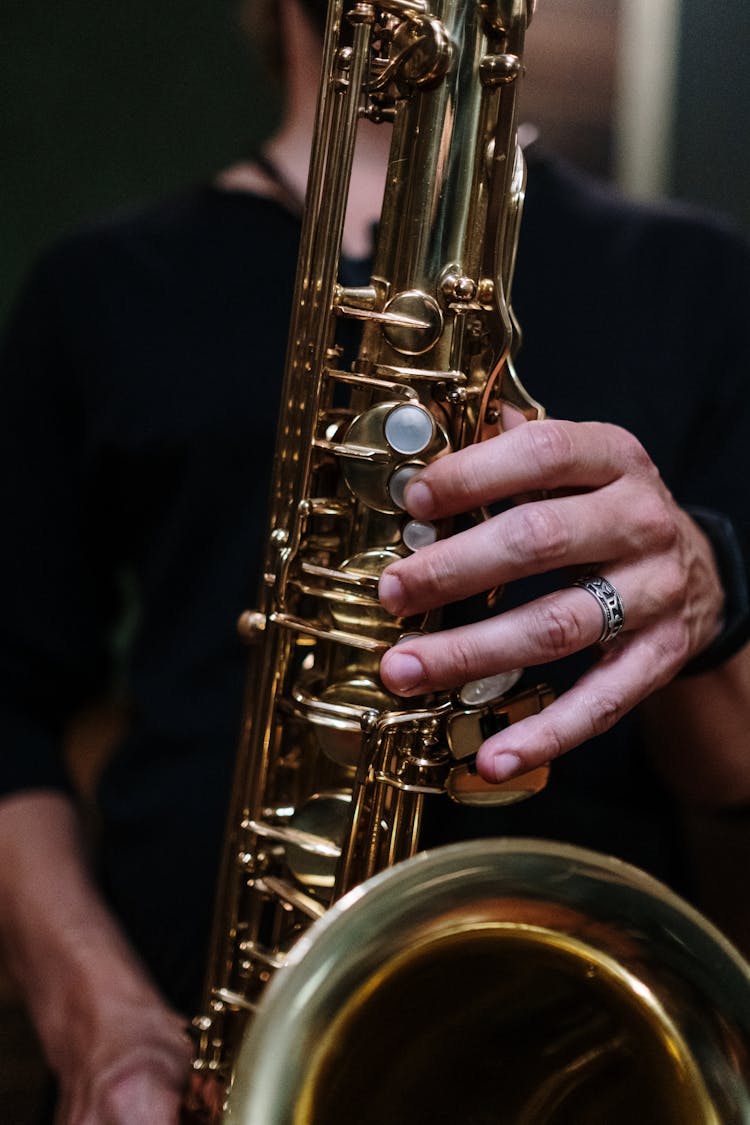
point(536, 456)
point(630, 672)
point(141, 1101)
point(540, 632)
point(534, 538)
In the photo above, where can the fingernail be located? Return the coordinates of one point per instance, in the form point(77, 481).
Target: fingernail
point(418, 498)
point(391, 593)
point(505, 766)
point(404, 671)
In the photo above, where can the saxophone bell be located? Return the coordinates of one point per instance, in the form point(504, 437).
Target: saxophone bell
point(503, 981)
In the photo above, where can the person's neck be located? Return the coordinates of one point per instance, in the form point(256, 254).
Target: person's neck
point(288, 150)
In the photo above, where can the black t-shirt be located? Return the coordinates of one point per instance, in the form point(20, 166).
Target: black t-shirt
point(140, 386)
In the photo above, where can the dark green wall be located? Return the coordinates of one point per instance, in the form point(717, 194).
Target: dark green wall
point(103, 103)
point(712, 142)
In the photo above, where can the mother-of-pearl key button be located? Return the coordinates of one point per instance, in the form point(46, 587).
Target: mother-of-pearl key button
point(418, 534)
point(409, 429)
point(479, 693)
point(398, 482)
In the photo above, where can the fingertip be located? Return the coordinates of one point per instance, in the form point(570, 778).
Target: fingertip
point(419, 499)
point(391, 592)
point(499, 765)
point(402, 672)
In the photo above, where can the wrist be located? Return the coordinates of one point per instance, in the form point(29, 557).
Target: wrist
point(734, 631)
point(92, 1003)
point(87, 992)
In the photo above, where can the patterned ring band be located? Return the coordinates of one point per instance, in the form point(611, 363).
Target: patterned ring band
point(610, 603)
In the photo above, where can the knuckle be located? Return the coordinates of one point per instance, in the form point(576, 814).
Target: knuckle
point(463, 659)
point(673, 587)
point(460, 479)
point(550, 744)
point(671, 649)
point(657, 522)
point(539, 534)
point(632, 455)
point(557, 628)
point(605, 711)
point(448, 487)
point(472, 480)
point(430, 572)
point(552, 446)
point(448, 564)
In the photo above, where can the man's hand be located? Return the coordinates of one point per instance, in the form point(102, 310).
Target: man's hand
point(607, 511)
point(134, 1075)
point(119, 1053)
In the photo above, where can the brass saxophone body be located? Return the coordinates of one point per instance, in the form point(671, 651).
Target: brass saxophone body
point(333, 771)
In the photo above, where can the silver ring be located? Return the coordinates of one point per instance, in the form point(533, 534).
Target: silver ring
point(610, 603)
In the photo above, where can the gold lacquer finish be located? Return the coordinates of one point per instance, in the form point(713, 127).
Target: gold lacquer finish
point(333, 770)
point(550, 1027)
point(503, 982)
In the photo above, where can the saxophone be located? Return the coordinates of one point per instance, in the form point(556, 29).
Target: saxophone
point(333, 771)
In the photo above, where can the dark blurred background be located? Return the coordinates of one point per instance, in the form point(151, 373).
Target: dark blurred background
point(107, 103)
point(104, 104)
